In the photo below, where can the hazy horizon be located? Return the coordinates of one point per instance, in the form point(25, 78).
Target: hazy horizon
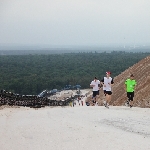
point(68, 23)
point(73, 47)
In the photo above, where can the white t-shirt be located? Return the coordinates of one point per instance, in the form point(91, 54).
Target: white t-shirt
point(107, 83)
point(95, 83)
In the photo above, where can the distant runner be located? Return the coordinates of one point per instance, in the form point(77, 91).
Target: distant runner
point(107, 82)
point(95, 85)
point(129, 87)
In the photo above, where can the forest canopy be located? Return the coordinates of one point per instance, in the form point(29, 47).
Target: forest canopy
point(31, 74)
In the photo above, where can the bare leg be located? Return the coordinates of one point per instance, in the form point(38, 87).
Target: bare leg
point(131, 103)
point(109, 98)
point(107, 101)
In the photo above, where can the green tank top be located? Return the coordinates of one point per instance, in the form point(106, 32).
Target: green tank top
point(130, 84)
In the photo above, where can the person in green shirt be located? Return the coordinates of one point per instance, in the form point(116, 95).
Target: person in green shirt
point(130, 87)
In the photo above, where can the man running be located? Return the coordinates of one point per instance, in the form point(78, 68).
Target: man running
point(95, 85)
point(107, 82)
point(129, 87)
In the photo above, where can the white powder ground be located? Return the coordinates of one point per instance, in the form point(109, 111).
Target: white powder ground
point(75, 128)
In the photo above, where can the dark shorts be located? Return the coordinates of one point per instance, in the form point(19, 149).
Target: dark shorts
point(107, 92)
point(130, 96)
point(95, 93)
point(98, 92)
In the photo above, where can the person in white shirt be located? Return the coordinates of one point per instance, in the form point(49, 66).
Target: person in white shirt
point(95, 85)
point(107, 83)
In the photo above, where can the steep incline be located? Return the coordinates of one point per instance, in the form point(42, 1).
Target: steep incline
point(141, 71)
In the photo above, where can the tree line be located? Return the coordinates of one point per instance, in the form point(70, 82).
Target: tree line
point(31, 74)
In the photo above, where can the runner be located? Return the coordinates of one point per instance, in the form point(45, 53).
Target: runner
point(95, 85)
point(81, 102)
point(107, 82)
point(129, 87)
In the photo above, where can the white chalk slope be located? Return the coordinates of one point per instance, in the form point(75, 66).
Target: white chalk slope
point(75, 128)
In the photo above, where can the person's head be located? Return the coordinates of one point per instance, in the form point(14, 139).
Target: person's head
point(95, 78)
point(131, 76)
point(108, 73)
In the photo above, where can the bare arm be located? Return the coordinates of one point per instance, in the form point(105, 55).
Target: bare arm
point(92, 85)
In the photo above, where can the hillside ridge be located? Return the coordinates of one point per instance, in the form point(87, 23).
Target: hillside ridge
point(141, 71)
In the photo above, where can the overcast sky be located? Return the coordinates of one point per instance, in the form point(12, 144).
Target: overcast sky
point(74, 22)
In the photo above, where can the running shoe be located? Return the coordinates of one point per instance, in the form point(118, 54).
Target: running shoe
point(131, 106)
point(127, 103)
point(106, 105)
